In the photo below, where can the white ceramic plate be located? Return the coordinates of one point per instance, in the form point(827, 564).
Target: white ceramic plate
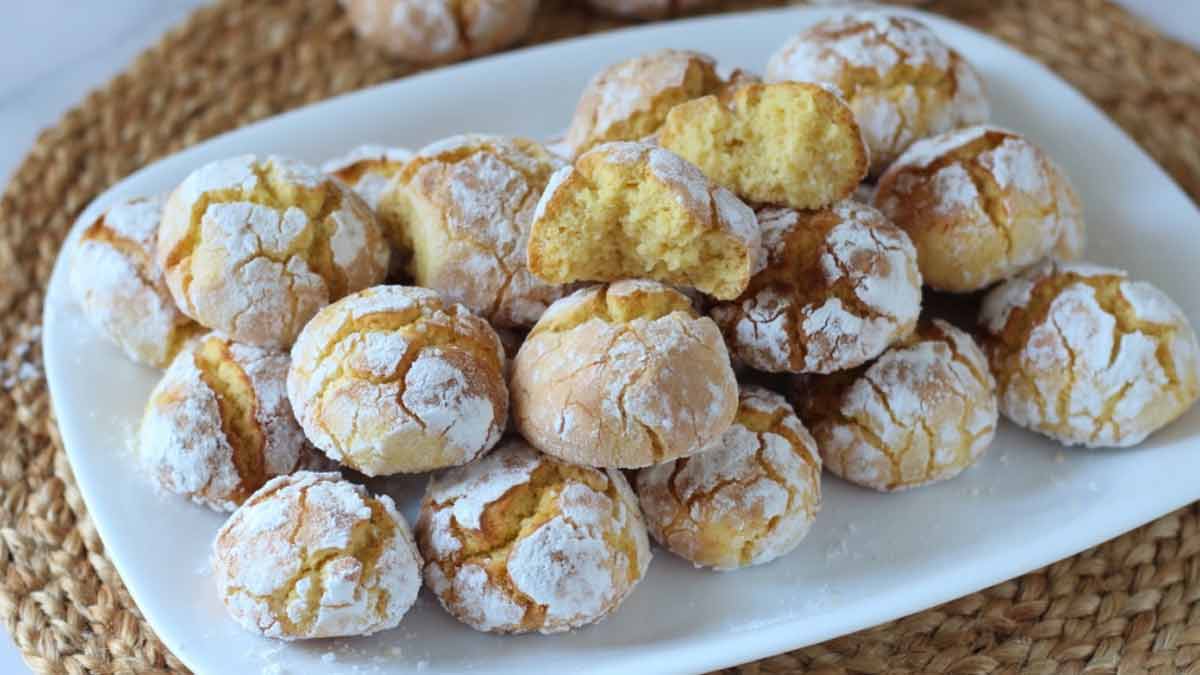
point(869, 558)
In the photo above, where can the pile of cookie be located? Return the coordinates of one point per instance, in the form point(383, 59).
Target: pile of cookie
point(761, 248)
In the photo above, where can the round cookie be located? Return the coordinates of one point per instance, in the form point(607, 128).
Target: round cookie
point(313, 556)
point(464, 207)
point(902, 82)
point(629, 100)
point(219, 425)
point(981, 204)
point(1087, 356)
point(919, 414)
point(633, 210)
point(121, 289)
point(368, 170)
point(623, 376)
point(648, 9)
point(787, 143)
point(746, 500)
point(254, 247)
point(394, 379)
point(438, 31)
point(840, 285)
point(519, 541)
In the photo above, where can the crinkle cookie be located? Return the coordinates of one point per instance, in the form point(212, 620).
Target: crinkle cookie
point(313, 556)
point(394, 379)
point(254, 247)
point(902, 82)
point(219, 425)
point(519, 541)
point(437, 31)
point(633, 210)
point(623, 376)
point(464, 206)
point(122, 290)
point(1088, 356)
point(921, 413)
point(788, 143)
point(629, 100)
point(840, 285)
point(981, 204)
point(748, 499)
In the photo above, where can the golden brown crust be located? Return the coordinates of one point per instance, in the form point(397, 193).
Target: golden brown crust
point(1089, 357)
point(981, 204)
point(788, 143)
point(438, 31)
point(624, 375)
point(746, 500)
point(519, 541)
point(840, 285)
point(923, 412)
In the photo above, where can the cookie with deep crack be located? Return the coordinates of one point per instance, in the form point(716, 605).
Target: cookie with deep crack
point(438, 31)
point(218, 424)
point(122, 290)
point(463, 206)
point(519, 541)
point(623, 376)
point(633, 210)
point(787, 143)
point(981, 204)
point(902, 81)
point(1088, 356)
point(313, 556)
point(395, 379)
point(840, 285)
point(748, 499)
point(254, 247)
point(921, 413)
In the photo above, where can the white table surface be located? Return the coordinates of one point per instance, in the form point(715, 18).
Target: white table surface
point(55, 51)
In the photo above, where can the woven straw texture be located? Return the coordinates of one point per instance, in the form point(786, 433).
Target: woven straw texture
point(1131, 605)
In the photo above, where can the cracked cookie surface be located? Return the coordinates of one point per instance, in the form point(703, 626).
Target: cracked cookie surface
point(632, 210)
point(219, 425)
point(394, 379)
point(840, 285)
point(981, 204)
point(254, 247)
point(463, 206)
point(624, 376)
point(1088, 356)
point(437, 31)
point(785, 143)
point(748, 499)
point(629, 100)
point(902, 82)
point(922, 412)
point(311, 555)
point(519, 541)
point(122, 290)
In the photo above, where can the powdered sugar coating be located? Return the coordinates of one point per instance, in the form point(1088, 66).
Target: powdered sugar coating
point(311, 556)
point(867, 295)
point(191, 441)
point(1089, 357)
point(627, 392)
point(120, 288)
point(368, 170)
point(436, 31)
point(468, 202)
point(572, 561)
point(748, 499)
point(254, 248)
point(902, 82)
point(921, 413)
point(393, 379)
point(981, 204)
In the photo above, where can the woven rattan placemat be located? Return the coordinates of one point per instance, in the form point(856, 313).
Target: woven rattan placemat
point(1130, 605)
